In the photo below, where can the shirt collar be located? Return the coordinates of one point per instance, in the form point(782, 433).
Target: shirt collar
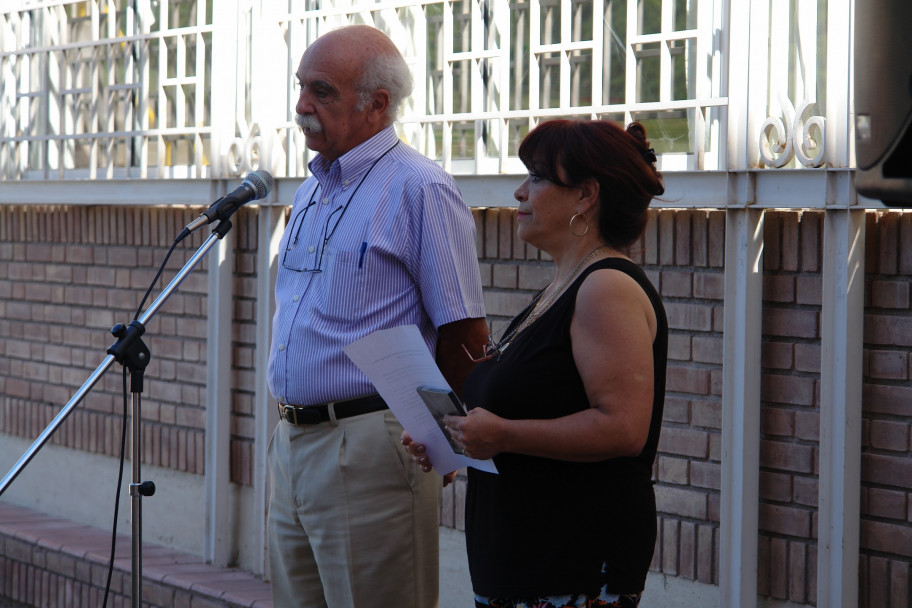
point(356, 161)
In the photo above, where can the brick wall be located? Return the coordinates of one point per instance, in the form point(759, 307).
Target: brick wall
point(67, 274)
point(886, 460)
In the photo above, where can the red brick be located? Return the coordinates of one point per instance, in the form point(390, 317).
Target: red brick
point(673, 470)
point(772, 240)
point(878, 581)
point(887, 330)
point(707, 414)
point(491, 232)
point(699, 234)
point(506, 233)
point(893, 471)
point(534, 276)
point(685, 379)
point(709, 286)
point(886, 537)
point(788, 390)
point(694, 317)
point(886, 504)
point(779, 288)
point(808, 290)
point(683, 238)
point(681, 501)
point(763, 565)
point(791, 323)
point(706, 475)
point(777, 421)
point(707, 349)
point(889, 400)
point(887, 259)
point(717, 238)
point(650, 239)
point(676, 410)
point(775, 486)
point(899, 583)
point(485, 269)
point(684, 442)
point(687, 561)
point(905, 236)
point(887, 364)
point(677, 283)
point(890, 294)
point(786, 456)
point(707, 558)
point(679, 347)
point(666, 244)
point(807, 358)
point(781, 519)
point(504, 303)
point(670, 546)
point(806, 490)
point(798, 568)
point(889, 435)
point(778, 568)
point(777, 355)
point(791, 242)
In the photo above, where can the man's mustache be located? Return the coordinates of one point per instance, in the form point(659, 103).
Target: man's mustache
point(308, 122)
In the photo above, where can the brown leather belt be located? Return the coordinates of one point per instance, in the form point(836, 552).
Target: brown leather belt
point(315, 414)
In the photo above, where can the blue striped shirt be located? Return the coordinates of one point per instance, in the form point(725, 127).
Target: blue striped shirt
point(395, 245)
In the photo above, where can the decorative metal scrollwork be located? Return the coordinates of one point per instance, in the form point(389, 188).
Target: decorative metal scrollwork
point(794, 137)
point(255, 151)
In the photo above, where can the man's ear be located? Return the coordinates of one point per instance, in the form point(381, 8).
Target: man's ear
point(378, 106)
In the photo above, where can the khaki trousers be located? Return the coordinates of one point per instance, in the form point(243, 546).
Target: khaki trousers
point(353, 522)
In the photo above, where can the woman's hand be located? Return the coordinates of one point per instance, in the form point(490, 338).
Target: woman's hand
point(480, 433)
point(418, 452)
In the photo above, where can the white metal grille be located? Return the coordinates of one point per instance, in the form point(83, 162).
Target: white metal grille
point(104, 89)
point(177, 88)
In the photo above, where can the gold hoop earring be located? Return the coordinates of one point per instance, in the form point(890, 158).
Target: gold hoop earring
point(585, 232)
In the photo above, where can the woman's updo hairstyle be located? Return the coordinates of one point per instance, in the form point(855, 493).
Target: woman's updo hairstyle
point(621, 161)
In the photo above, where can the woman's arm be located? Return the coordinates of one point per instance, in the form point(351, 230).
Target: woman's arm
point(612, 332)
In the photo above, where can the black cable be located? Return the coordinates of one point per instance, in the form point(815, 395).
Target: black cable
point(123, 450)
point(155, 280)
point(123, 434)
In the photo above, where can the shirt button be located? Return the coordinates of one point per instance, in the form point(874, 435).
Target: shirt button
point(281, 347)
point(325, 200)
point(311, 249)
point(346, 183)
point(295, 298)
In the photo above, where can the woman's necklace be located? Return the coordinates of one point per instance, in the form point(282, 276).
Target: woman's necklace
point(539, 305)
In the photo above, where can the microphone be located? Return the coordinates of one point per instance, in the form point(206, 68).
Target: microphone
point(255, 186)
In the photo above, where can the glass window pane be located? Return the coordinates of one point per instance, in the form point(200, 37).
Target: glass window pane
point(648, 71)
point(549, 79)
point(668, 131)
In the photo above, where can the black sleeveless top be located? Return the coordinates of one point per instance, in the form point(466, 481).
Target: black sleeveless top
point(545, 526)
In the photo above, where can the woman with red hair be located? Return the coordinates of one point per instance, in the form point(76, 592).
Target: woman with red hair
point(568, 402)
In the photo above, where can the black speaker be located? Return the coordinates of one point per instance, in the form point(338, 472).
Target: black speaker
point(883, 100)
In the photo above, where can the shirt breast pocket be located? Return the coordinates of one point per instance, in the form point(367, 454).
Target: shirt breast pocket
point(343, 285)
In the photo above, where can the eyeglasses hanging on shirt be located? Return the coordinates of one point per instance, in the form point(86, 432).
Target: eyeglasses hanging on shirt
point(299, 257)
point(297, 254)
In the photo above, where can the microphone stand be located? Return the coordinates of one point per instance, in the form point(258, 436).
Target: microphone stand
point(132, 353)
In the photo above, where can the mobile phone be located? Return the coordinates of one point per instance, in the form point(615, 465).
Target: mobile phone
point(442, 402)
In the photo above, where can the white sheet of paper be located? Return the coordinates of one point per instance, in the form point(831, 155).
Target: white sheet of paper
point(397, 361)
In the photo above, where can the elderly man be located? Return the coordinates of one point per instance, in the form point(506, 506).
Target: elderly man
point(378, 237)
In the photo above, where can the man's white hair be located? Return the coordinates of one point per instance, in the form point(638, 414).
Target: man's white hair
point(385, 71)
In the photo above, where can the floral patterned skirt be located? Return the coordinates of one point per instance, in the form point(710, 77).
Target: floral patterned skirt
point(604, 599)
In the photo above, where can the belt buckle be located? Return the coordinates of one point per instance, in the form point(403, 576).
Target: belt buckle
point(289, 413)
